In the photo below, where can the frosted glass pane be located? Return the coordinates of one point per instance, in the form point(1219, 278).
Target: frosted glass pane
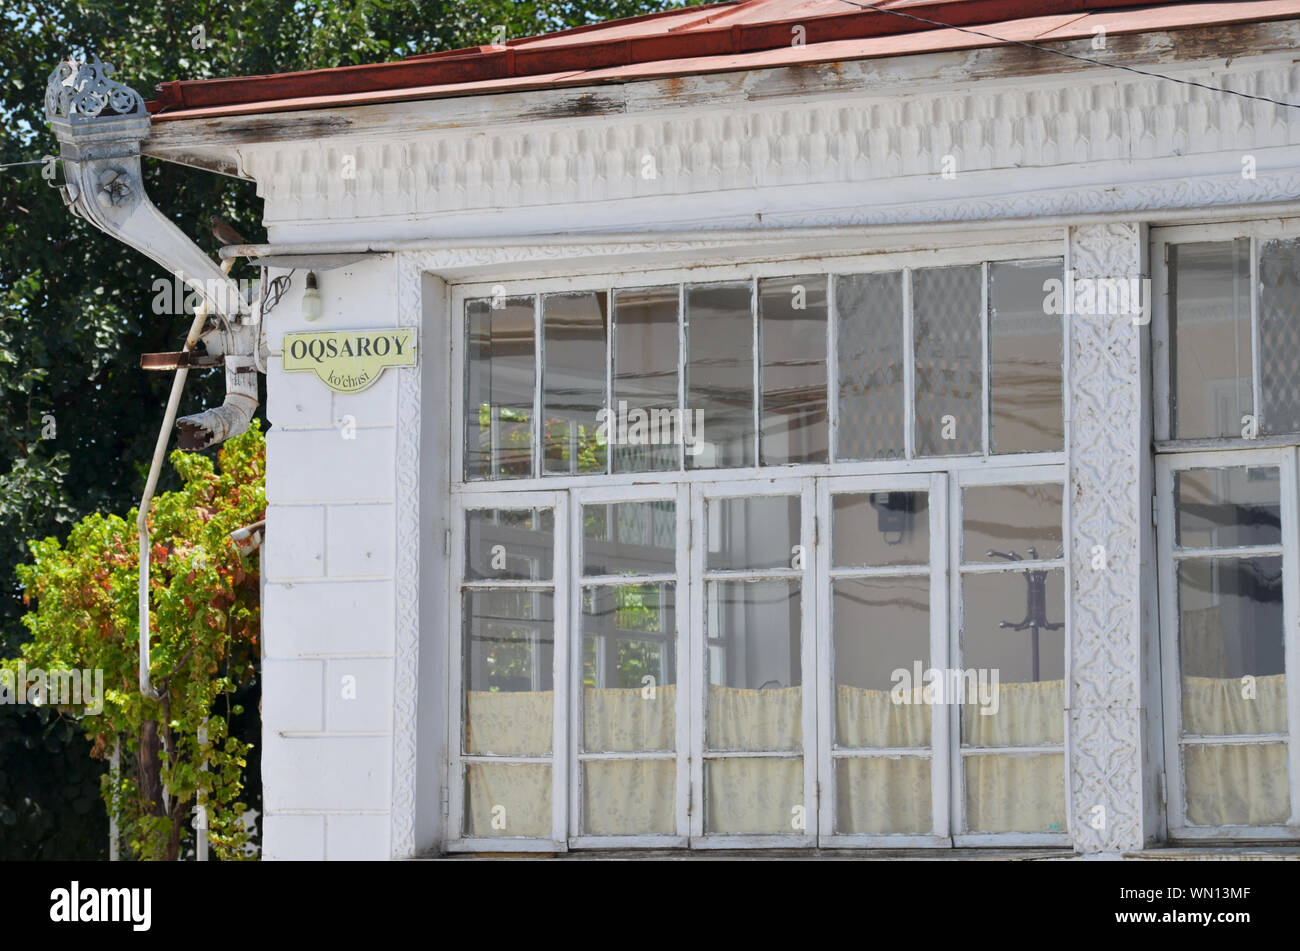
point(1279, 335)
point(869, 341)
point(946, 310)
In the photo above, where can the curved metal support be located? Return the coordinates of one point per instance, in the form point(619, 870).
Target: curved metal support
point(100, 125)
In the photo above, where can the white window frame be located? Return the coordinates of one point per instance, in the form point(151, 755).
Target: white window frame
point(813, 482)
point(458, 841)
point(1162, 386)
point(682, 595)
point(1019, 475)
point(1285, 459)
point(938, 753)
point(807, 577)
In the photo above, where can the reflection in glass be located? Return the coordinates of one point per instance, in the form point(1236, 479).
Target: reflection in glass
point(509, 654)
point(754, 669)
point(645, 371)
point(1230, 628)
point(881, 628)
point(752, 532)
point(622, 538)
point(792, 328)
point(1209, 329)
point(869, 341)
point(1227, 508)
point(947, 331)
point(1011, 520)
point(880, 528)
point(1279, 335)
point(1013, 626)
point(509, 544)
point(499, 388)
point(1025, 362)
point(882, 796)
point(573, 380)
point(629, 667)
point(720, 373)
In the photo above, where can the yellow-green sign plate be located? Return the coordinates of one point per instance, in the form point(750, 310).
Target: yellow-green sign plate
point(349, 360)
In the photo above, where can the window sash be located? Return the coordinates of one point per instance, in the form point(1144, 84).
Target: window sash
point(1176, 741)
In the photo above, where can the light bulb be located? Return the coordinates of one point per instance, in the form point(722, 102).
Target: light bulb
point(311, 302)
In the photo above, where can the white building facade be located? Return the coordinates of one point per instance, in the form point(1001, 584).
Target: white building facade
point(852, 435)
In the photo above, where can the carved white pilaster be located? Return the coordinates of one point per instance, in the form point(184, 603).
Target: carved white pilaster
point(1107, 505)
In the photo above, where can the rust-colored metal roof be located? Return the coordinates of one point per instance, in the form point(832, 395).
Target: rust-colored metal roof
point(750, 34)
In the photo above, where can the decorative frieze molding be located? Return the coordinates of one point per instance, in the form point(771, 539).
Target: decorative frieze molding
point(1031, 134)
point(1105, 450)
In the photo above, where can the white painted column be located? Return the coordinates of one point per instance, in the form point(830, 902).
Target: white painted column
point(1113, 749)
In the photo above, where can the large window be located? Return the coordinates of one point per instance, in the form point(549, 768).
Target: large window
point(1227, 424)
point(663, 639)
point(958, 360)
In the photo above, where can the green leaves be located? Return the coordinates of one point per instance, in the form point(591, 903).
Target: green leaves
point(203, 646)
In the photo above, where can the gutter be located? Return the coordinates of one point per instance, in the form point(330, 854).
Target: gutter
point(100, 125)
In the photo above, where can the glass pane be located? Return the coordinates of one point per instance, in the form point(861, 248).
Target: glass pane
point(882, 651)
point(627, 538)
point(629, 797)
point(1026, 358)
point(511, 544)
point(869, 341)
point(1227, 508)
point(1015, 792)
point(792, 314)
point(880, 528)
point(629, 668)
point(573, 380)
point(745, 796)
point(1012, 682)
point(753, 532)
point(646, 355)
point(1011, 522)
point(509, 651)
point(754, 670)
point(1209, 330)
point(946, 327)
point(1279, 335)
point(720, 374)
point(879, 796)
point(1230, 642)
point(499, 388)
point(507, 800)
point(1237, 785)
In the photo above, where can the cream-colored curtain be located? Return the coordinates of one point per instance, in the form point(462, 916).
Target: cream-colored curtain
point(764, 795)
point(1241, 784)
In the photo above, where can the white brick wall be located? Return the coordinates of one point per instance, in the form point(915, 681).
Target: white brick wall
point(328, 597)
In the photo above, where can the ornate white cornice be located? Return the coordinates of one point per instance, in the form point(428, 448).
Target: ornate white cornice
point(1100, 140)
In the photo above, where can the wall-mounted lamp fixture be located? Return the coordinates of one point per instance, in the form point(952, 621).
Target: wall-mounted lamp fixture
point(311, 302)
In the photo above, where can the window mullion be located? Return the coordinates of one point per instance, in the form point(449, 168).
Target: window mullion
point(909, 371)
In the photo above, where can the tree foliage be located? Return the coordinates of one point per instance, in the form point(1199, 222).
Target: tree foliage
point(78, 418)
point(204, 644)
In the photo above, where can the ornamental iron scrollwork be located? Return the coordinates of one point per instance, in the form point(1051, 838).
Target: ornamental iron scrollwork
point(86, 91)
